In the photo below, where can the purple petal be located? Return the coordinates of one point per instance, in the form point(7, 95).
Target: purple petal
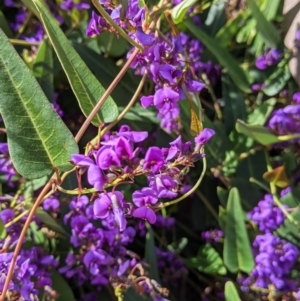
point(101, 206)
point(145, 213)
point(144, 39)
point(147, 101)
point(82, 160)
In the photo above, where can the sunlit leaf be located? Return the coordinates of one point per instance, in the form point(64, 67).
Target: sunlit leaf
point(237, 249)
point(231, 293)
point(264, 27)
point(83, 83)
point(38, 140)
point(179, 11)
point(277, 176)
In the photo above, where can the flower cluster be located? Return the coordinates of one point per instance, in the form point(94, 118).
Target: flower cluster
point(6, 166)
point(172, 62)
point(212, 236)
point(267, 215)
point(33, 269)
point(286, 120)
point(274, 256)
point(118, 160)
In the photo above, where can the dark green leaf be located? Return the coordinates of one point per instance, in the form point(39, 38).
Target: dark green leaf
point(289, 231)
point(37, 138)
point(84, 84)
point(5, 26)
point(231, 293)
point(226, 34)
point(262, 112)
point(277, 80)
point(264, 27)
point(237, 74)
point(208, 261)
point(237, 249)
point(234, 102)
point(62, 287)
point(111, 44)
point(223, 195)
point(43, 69)
point(50, 222)
point(106, 70)
point(179, 11)
point(150, 254)
point(216, 18)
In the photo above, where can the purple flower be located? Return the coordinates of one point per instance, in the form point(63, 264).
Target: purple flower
point(204, 137)
point(111, 203)
point(270, 58)
point(154, 159)
point(107, 158)
point(164, 185)
point(165, 98)
point(133, 136)
point(145, 39)
point(296, 97)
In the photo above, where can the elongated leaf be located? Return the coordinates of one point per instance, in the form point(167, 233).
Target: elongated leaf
point(4, 25)
point(261, 134)
point(150, 254)
point(84, 84)
point(49, 221)
point(43, 69)
point(179, 11)
point(61, 286)
point(231, 293)
point(37, 138)
point(237, 250)
point(226, 60)
point(264, 27)
point(106, 70)
point(277, 80)
point(2, 230)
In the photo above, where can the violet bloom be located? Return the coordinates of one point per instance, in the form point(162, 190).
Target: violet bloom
point(144, 199)
point(133, 136)
point(165, 98)
point(96, 25)
point(145, 39)
point(107, 158)
point(154, 159)
point(296, 97)
point(270, 58)
point(94, 173)
point(204, 137)
point(111, 204)
point(164, 185)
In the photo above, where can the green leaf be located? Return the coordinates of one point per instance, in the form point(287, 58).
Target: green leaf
point(43, 69)
point(84, 84)
point(237, 249)
point(2, 230)
point(261, 134)
point(38, 140)
point(234, 107)
point(112, 45)
point(106, 70)
point(226, 34)
point(179, 11)
point(264, 27)
point(237, 74)
point(150, 254)
point(62, 287)
point(5, 26)
point(277, 80)
point(289, 231)
point(50, 222)
point(139, 114)
point(231, 293)
point(262, 112)
point(208, 261)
